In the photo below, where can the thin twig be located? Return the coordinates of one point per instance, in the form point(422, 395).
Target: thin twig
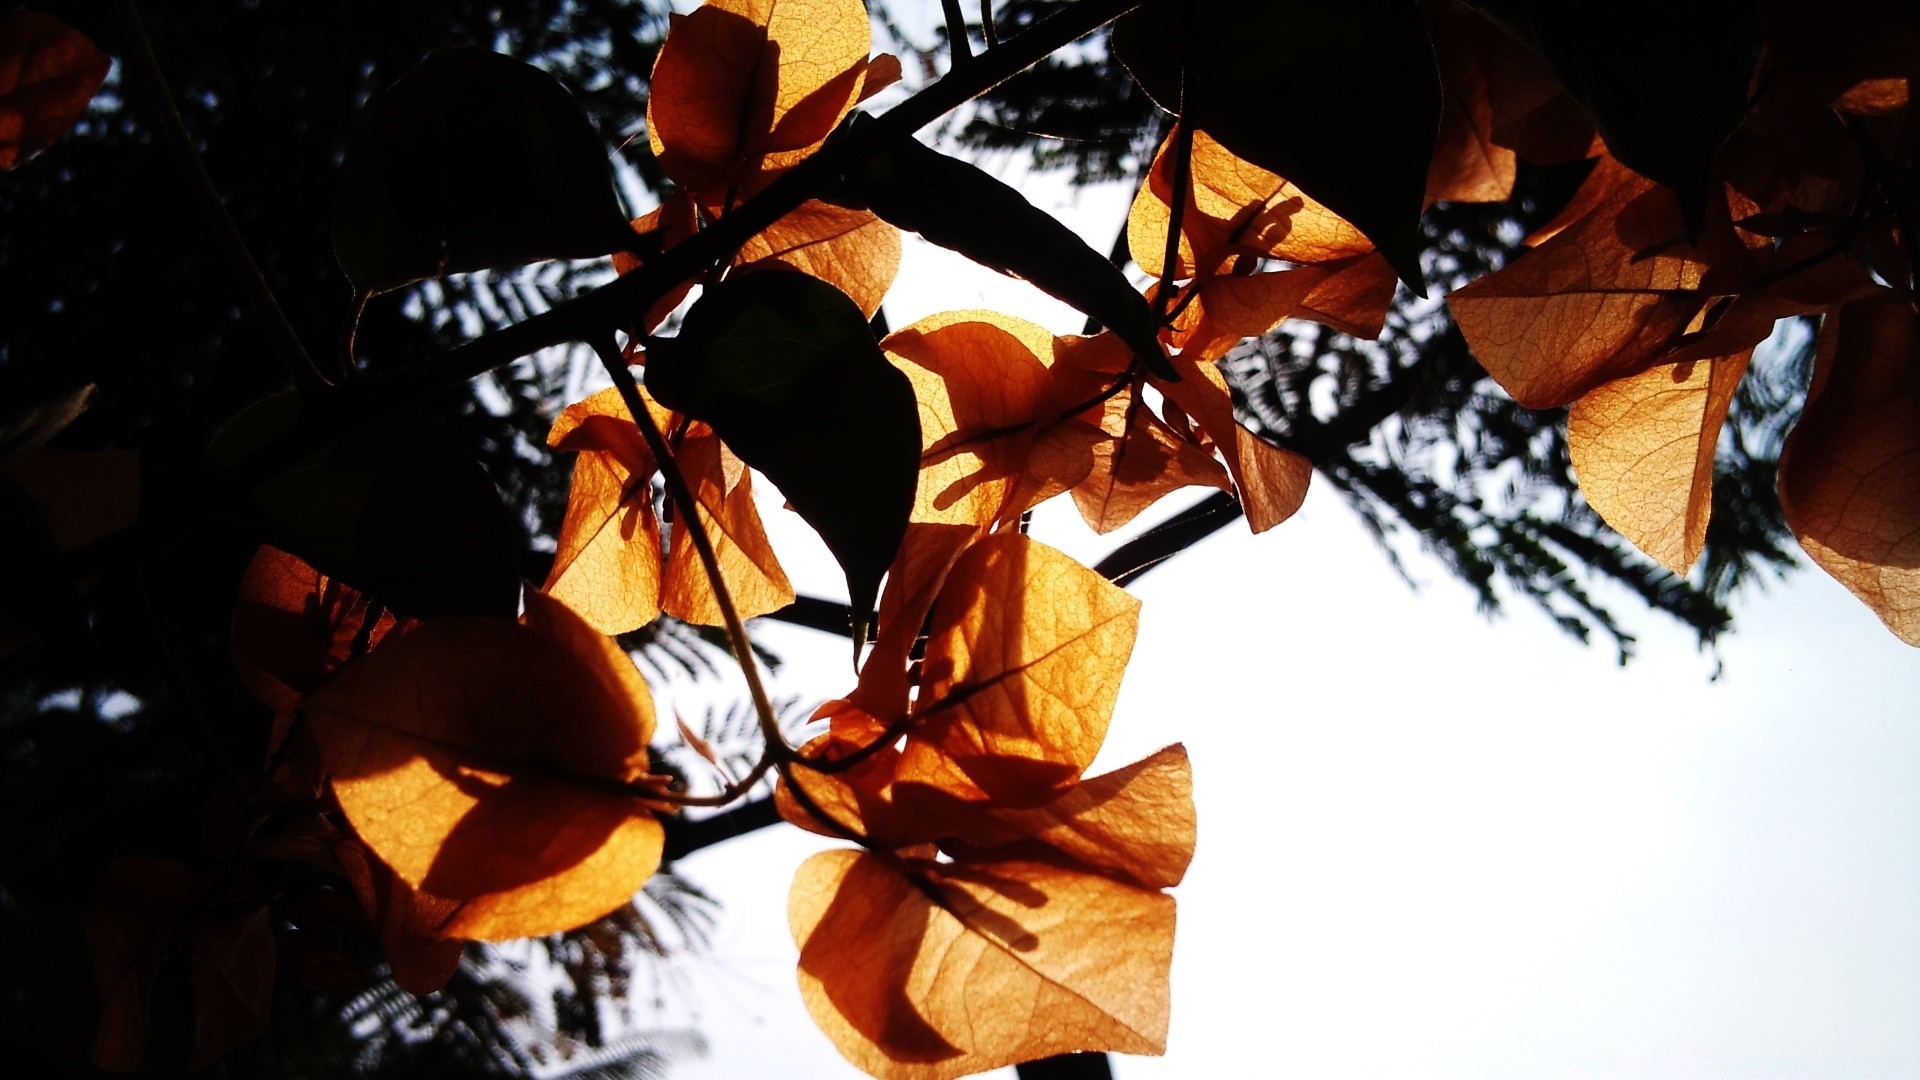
point(957, 42)
point(145, 68)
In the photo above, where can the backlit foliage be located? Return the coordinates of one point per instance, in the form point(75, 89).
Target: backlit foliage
point(471, 768)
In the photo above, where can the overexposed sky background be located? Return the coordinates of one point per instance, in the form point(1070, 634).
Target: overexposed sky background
point(1434, 845)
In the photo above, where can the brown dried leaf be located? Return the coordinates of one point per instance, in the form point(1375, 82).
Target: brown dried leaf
point(1597, 302)
point(1643, 449)
point(1850, 472)
point(1271, 482)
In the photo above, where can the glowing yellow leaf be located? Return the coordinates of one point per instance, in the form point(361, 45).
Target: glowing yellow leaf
point(500, 764)
point(607, 564)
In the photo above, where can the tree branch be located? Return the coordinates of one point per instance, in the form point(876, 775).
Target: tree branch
point(604, 309)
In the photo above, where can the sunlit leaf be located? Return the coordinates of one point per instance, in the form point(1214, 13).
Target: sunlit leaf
point(48, 73)
point(723, 489)
point(607, 563)
point(1016, 695)
point(785, 369)
point(924, 971)
point(988, 400)
point(502, 764)
point(745, 85)
point(1270, 482)
point(1233, 205)
point(1643, 449)
point(472, 160)
point(1597, 302)
point(1850, 473)
point(1339, 96)
point(853, 250)
point(1135, 823)
point(1468, 164)
point(1144, 461)
point(927, 555)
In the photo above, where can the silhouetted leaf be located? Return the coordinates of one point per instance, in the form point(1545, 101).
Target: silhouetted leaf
point(785, 369)
point(391, 507)
point(1665, 127)
point(472, 160)
point(1341, 97)
point(48, 73)
point(955, 205)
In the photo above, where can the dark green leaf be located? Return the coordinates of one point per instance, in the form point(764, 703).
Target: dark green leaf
point(1339, 96)
point(957, 206)
point(392, 507)
point(472, 160)
point(784, 367)
point(1664, 83)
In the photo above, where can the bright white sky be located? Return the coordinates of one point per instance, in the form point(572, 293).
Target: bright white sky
point(1435, 846)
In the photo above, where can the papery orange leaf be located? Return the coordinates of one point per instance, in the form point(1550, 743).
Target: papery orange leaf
point(722, 486)
point(1144, 461)
point(1271, 482)
point(1232, 202)
point(1136, 823)
point(1601, 184)
point(1023, 662)
point(957, 969)
point(992, 423)
point(1468, 165)
point(850, 249)
point(137, 908)
point(408, 921)
point(607, 564)
point(856, 800)
point(1355, 296)
point(745, 84)
point(233, 965)
point(927, 554)
point(293, 626)
point(1597, 302)
point(1850, 472)
point(500, 764)
point(1643, 450)
point(48, 73)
